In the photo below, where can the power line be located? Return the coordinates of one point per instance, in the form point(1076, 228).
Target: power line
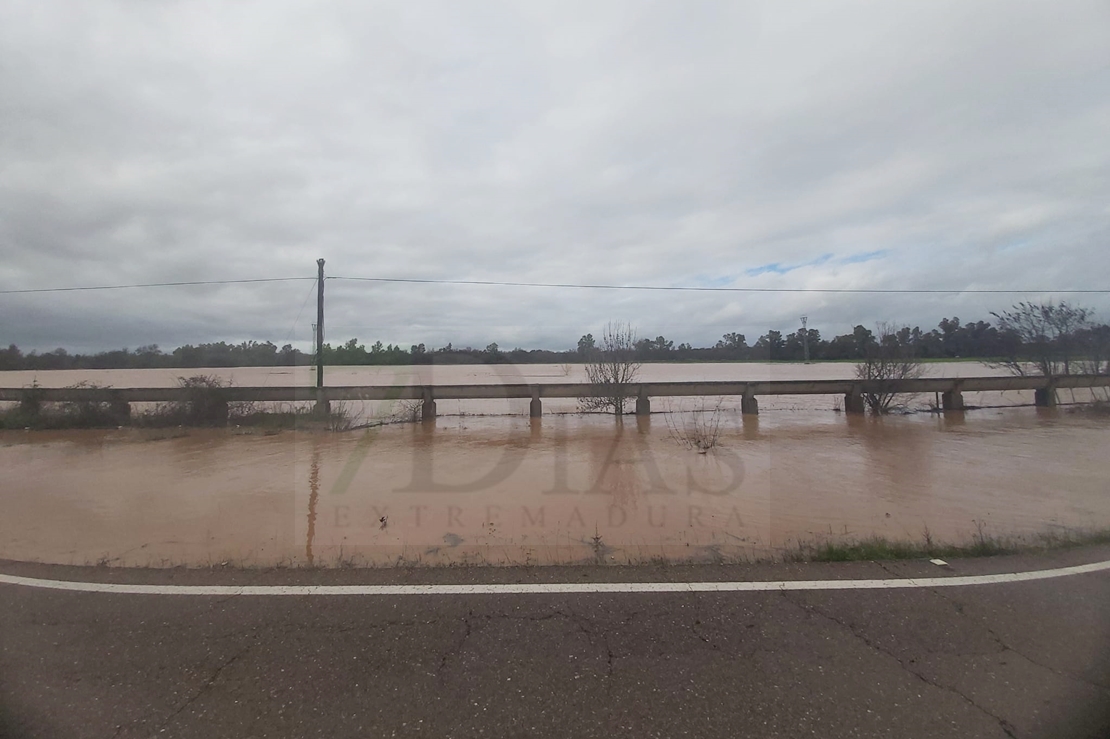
point(150, 284)
point(564, 285)
point(292, 330)
point(688, 288)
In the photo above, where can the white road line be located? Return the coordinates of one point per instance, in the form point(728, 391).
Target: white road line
point(553, 588)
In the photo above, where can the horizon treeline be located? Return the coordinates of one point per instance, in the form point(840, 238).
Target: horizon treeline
point(949, 340)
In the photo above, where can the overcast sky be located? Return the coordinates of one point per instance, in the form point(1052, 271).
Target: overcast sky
point(948, 145)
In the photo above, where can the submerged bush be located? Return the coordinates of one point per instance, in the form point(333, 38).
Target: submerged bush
point(699, 430)
point(17, 418)
point(35, 412)
point(204, 403)
point(30, 402)
point(1095, 408)
point(203, 400)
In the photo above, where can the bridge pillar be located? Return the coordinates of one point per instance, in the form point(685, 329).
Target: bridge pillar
point(1045, 397)
point(119, 408)
point(952, 400)
point(535, 408)
point(853, 402)
point(643, 404)
point(749, 406)
point(323, 406)
point(428, 406)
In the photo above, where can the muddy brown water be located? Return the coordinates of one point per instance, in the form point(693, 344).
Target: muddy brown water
point(468, 374)
point(485, 484)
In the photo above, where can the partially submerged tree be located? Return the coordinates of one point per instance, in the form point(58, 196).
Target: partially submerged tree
point(610, 369)
point(1051, 337)
point(887, 359)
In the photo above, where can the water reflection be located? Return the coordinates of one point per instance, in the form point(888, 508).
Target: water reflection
point(951, 420)
point(313, 501)
point(897, 458)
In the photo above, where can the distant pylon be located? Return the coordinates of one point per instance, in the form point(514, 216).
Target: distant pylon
point(805, 339)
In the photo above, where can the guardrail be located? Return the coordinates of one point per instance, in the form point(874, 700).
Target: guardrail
point(950, 388)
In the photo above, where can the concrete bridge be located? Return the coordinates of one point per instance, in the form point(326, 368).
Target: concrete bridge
point(950, 389)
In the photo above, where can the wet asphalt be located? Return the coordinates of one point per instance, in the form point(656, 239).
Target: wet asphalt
point(1022, 660)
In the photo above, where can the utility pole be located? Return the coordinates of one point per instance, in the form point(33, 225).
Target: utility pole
point(321, 402)
point(805, 338)
point(320, 324)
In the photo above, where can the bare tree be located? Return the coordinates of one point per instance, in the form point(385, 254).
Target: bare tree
point(699, 429)
point(1049, 335)
point(886, 360)
point(610, 369)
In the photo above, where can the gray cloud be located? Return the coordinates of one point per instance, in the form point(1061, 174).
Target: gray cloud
point(954, 145)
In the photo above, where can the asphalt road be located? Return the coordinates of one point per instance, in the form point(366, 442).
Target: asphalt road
point(1027, 659)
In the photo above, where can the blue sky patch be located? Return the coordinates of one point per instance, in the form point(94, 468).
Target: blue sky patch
point(866, 256)
point(779, 268)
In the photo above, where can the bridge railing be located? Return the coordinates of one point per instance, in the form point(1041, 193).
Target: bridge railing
point(951, 388)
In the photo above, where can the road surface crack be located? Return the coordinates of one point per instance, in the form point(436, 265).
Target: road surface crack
point(203, 689)
point(1005, 647)
point(697, 622)
point(1007, 728)
point(457, 649)
point(887, 570)
point(586, 626)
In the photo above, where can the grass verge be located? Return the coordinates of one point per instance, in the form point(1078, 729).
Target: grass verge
point(981, 545)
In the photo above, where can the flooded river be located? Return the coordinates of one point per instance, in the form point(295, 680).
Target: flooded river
point(486, 484)
point(470, 374)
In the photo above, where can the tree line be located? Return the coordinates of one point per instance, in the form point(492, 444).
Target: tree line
point(1051, 337)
